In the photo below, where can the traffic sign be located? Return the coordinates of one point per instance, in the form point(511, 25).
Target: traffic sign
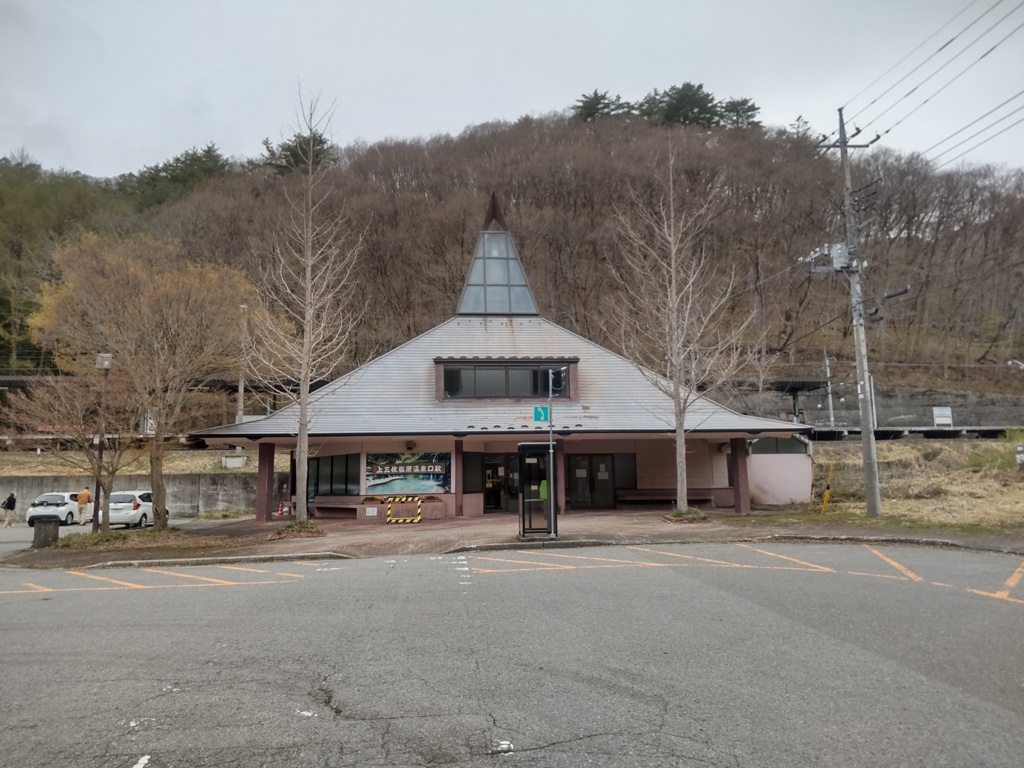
point(540, 413)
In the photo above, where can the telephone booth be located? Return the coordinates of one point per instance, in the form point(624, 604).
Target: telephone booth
point(537, 497)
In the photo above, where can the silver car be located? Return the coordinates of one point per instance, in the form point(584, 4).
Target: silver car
point(132, 509)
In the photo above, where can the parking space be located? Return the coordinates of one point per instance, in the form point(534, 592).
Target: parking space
point(987, 575)
point(995, 576)
point(207, 576)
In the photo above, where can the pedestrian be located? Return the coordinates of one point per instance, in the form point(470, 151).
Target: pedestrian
point(84, 497)
point(8, 507)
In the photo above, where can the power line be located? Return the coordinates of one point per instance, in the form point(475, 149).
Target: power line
point(934, 54)
point(976, 120)
point(957, 281)
point(955, 77)
point(985, 141)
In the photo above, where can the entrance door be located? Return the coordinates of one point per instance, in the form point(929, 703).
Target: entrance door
point(501, 482)
point(591, 482)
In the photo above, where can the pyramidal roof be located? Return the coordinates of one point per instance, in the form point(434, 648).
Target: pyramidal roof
point(496, 283)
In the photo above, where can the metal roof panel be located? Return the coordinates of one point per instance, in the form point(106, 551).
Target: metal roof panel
point(396, 393)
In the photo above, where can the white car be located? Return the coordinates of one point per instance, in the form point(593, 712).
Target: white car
point(56, 505)
point(132, 509)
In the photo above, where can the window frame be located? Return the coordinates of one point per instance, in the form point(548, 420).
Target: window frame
point(468, 380)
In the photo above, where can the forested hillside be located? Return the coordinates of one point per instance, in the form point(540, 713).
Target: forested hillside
point(953, 238)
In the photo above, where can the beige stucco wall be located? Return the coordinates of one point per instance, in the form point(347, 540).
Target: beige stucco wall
point(780, 478)
point(706, 465)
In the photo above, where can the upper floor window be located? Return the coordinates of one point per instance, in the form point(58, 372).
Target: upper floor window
point(505, 380)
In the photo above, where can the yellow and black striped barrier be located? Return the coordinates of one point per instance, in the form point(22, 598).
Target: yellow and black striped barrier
point(403, 500)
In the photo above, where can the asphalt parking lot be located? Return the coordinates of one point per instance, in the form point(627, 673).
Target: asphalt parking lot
point(730, 653)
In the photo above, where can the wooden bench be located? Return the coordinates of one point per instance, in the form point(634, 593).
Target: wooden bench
point(332, 507)
point(666, 495)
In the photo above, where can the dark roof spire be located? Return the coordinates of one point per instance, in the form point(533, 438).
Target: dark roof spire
point(496, 283)
point(493, 216)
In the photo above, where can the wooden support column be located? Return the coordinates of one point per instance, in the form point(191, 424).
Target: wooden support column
point(265, 483)
point(741, 480)
point(560, 478)
point(457, 476)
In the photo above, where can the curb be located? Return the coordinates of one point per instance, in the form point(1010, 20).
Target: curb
point(574, 544)
point(537, 544)
point(781, 537)
point(220, 560)
point(904, 541)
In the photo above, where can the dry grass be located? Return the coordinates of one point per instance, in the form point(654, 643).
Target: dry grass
point(171, 538)
point(948, 482)
point(298, 529)
point(27, 463)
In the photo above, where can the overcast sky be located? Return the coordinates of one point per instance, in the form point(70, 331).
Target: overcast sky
point(109, 86)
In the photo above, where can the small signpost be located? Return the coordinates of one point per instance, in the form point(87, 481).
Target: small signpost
point(540, 413)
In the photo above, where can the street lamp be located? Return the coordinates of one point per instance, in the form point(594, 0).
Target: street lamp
point(103, 363)
point(551, 449)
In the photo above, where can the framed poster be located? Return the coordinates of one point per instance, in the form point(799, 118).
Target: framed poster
point(391, 474)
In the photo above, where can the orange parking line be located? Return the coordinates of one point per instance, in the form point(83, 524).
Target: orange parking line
point(292, 575)
point(1014, 580)
point(539, 565)
point(725, 563)
point(556, 566)
point(877, 575)
point(239, 568)
point(1003, 595)
point(1008, 585)
point(190, 576)
point(110, 581)
point(902, 569)
point(38, 588)
point(791, 559)
point(519, 570)
point(598, 559)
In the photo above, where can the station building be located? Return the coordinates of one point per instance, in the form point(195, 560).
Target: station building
point(443, 418)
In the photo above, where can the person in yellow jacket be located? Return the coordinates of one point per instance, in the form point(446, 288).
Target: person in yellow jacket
point(84, 497)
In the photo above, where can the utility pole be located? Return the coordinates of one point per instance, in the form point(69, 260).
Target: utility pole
point(864, 396)
point(828, 380)
point(103, 363)
point(845, 259)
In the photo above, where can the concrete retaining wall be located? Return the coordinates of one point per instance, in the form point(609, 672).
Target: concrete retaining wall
point(894, 407)
point(187, 495)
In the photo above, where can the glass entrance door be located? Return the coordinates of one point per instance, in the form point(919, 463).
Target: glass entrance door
point(501, 482)
point(591, 482)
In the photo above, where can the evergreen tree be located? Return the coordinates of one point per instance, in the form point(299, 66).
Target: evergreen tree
point(174, 178)
point(295, 152)
point(739, 113)
point(690, 104)
point(591, 106)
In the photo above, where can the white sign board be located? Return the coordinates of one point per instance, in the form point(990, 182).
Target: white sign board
point(942, 417)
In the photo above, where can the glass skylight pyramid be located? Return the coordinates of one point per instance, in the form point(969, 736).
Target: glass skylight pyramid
point(496, 284)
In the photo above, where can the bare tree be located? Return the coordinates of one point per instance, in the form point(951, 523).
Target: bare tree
point(171, 325)
point(307, 322)
point(678, 320)
point(76, 413)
